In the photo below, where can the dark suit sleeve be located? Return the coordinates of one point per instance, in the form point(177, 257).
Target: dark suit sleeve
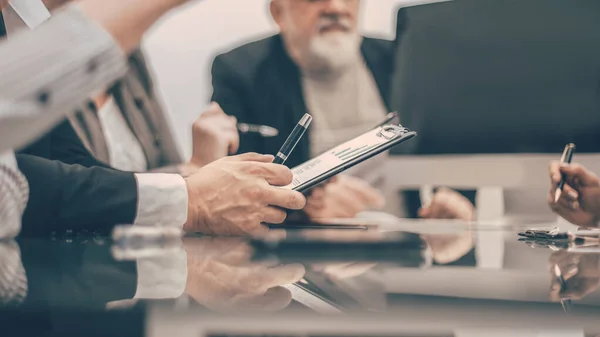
point(67, 147)
point(226, 87)
point(228, 91)
point(75, 197)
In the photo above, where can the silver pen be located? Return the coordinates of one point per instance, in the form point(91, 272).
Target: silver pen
point(263, 130)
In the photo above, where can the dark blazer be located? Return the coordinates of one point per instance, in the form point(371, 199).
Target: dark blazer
point(259, 83)
point(74, 197)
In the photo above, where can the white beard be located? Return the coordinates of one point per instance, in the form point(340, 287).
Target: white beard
point(332, 51)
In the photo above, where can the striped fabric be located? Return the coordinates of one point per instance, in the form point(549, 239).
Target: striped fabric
point(50, 71)
point(44, 74)
point(13, 280)
point(14, 193)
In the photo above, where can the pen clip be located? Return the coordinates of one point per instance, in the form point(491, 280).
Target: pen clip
point(391, 131)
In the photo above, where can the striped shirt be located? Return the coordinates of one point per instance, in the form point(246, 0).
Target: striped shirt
point(49, 71)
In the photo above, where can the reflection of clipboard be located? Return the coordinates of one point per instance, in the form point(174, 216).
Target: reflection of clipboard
point(348, 154)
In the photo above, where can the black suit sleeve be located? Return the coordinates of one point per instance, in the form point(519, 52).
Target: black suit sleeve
point(64, 145)
point(228, 90)
point(75, 197)
point(68, 148)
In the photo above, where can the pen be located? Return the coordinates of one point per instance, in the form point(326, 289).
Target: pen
point(293, 139)
point(566, 158)
point(263, 130)
point(566, 303)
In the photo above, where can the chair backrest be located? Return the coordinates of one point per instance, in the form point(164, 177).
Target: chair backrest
point(499, 76)
point(496, 177)
point(482, 77)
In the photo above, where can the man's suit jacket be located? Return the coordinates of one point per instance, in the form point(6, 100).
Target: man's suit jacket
point(259, 83)
point(80, 139)
point(63, 196)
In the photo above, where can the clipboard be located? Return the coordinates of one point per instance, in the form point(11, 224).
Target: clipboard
point(348, 154)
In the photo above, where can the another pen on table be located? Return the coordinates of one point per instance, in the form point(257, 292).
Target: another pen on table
point(263, 130)
point(565, 302)
point(566, 158)
point(293, 139)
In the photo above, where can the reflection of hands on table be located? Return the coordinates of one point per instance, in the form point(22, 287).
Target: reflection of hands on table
point(343, 197)
point(222, 278)
point(340, 271)
point(448, 204)
point(447, 248)
point(580, 272)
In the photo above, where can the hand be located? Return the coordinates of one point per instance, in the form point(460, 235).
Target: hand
point(448, 204)
point(580, 272)
point(214, 136)
point(222, 278)
point(579, 201)
point(343, 197)
point(235, 195)
point(447, 248)
point(3, 4)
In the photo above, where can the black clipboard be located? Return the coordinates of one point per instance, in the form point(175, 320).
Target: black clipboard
point(348, 154)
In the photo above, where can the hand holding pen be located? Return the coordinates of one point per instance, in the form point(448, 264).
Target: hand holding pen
point(579, 198)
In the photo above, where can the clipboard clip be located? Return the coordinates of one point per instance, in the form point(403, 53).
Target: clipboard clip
point(391, 131)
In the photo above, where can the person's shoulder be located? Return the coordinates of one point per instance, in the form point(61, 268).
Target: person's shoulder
point(377, 44)
point(249, 55)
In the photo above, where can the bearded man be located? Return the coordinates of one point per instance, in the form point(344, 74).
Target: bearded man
point(318, 63)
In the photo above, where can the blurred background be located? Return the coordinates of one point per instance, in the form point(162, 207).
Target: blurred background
point(213, 27)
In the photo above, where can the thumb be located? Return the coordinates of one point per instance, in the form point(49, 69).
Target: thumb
point(424, 212)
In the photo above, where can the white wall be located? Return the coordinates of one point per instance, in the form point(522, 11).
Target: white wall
point(181, 48)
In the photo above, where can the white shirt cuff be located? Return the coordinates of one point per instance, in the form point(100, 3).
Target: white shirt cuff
point(162, 201)
point(162, 277)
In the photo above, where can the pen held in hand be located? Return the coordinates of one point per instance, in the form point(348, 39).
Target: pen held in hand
point(263, 130)
point(566, 158)
point(293, 139)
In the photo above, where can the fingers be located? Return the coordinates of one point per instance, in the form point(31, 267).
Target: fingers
point(274, 174)
point(274, 299)
point(284, 198)
point(274, 215)
point(555, 174)
point(577, 171)
point(365, 193)
point(315, 202)
point(258, 280)
point(234, 142)
point(253, 157)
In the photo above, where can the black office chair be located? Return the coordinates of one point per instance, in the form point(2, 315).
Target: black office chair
point(499, 76)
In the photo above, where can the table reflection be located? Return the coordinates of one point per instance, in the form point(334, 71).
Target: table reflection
point(580, 271)
point(221, 277)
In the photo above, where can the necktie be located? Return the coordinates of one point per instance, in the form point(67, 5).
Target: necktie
point(2, 26)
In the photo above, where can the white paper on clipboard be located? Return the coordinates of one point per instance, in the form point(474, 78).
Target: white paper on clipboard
point(345, 153)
